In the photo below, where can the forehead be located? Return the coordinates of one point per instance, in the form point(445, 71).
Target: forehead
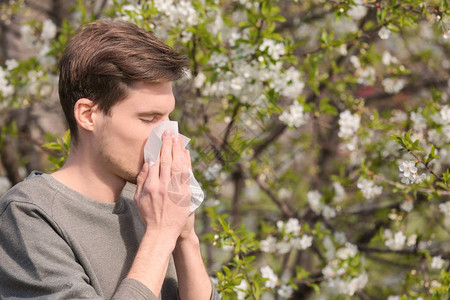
point(154, 97)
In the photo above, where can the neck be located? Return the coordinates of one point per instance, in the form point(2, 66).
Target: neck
point(82, 173)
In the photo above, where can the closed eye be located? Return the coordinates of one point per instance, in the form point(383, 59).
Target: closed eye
point(148, 119)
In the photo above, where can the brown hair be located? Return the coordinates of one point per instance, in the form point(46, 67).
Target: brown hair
point(105, 58)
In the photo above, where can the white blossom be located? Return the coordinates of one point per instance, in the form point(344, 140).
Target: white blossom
point(27, 36)
point(340, 237)
point(48, 30)
point(339, 192)
point(347, 286)
point(273, 48)
point(396, 242)
point(357, 283)
point(369, 189)
point(393, 86)
point(314, 198)
point(233, 38)
point(355, 61)
point(283, 247)
point(212, 172)
point(434, 137)
point(43, 57)
point(228, 248)
point(409, 173)
point(393, 297)
point(292, 226)
point(445, 208)
point(199, 80)
point(445, 114)
point(388, 59)
point(399, 116)
point(272, 278)
point(419, 122)
point(446, 34)
point(348, 124)
point(178, 12)
point(446, 132)
point(34, 81)
point(302, 243)
point(288, 84)
point(384, 33)
point(186, 36)
point(218, 59)
point(434, 284)
point(285, 291)
point(343, 50)
point(329, 247)
point(211, 202)
point(240, 289)
point(11, 64)
point(215, 27)
point(346, 252)
point(407, 206)
point(328, 212)
point(6, 88)
point(412, 240)
point(365, 75)
point(328, 272)
point(284, 193)
point(358, 11)
point(294, 116)
point(437, 262)
point(408, 168)
point(268, 245)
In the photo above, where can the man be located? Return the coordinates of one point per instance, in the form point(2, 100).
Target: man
point(75, 234)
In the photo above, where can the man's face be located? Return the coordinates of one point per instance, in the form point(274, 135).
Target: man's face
point(122, 135)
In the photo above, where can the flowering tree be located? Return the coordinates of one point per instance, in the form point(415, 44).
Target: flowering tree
point(321, 137)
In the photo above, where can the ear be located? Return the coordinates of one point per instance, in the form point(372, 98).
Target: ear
point(84, 110)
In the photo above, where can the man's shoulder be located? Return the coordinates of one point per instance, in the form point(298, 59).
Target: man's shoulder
point(33, 191)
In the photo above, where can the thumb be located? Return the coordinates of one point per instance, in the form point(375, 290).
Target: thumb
point(140, 181)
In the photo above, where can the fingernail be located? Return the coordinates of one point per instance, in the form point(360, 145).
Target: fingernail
point(176, 140)
point(168, 133)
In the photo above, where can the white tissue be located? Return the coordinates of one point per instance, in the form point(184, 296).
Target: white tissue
point(152, 149)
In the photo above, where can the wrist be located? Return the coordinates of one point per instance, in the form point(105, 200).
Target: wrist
point(191, 239)
point(161, 241)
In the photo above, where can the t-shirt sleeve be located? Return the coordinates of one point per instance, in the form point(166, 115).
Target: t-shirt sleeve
point(132, 289)
point(36, 261)
point(214, 295)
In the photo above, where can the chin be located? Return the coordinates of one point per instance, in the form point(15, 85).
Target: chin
point(130, 176)
point(133, 181)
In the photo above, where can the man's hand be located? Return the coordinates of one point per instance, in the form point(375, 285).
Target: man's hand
point(163, 193)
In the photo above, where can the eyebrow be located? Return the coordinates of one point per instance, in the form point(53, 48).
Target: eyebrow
point(153, 113)
point(149, 113)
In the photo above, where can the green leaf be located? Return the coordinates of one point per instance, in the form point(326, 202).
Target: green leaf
point(53, 146)
point(432, 155)
point(326, 108)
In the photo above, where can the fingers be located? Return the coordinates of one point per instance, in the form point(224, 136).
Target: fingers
point(188, 157)
point(178, 156)
point(140, 181)
point(166, 156)
point(179, 189)
point(185, 176)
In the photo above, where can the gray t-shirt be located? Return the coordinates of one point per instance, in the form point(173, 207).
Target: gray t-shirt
point(56, 243)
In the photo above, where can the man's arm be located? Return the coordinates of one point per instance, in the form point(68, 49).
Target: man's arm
point(193, 280)
point(37, 261)
point(163, 211)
